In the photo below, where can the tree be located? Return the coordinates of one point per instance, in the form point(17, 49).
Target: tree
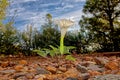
point(50, 34)
point(3, 6)
point(8, 39)
point(102, 21)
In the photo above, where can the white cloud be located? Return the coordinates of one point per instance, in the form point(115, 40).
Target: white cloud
point(69, 9)
point(20, 1)
point(79, 0)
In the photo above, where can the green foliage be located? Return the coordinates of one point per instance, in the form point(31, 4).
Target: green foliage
point(101, 25)
point(9, 39)
point(3, 6)
point(42, 53)
point(70, 57)
point(53, 51)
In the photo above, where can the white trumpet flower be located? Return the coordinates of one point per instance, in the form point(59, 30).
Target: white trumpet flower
point(64, 25)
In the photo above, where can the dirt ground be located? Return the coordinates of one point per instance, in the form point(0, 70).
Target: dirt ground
point(85, 67)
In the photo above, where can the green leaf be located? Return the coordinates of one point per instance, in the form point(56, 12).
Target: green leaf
point(70, 57)
point(67, 49)
point(41, 53)
point(55, 49)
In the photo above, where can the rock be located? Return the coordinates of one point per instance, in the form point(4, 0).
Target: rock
point(4, 64)
point(94, 73)
point(88, 58)
point(51, 69)
point(40, 77)
point(7, 71)
point(70, 78)
point(82, 69)
point(107, 72)
point(41, 71)
point(19, 75)
point(30, 75)
point(21, 78)
point(18, 67)
point(101, 60)
point(23, 62)
point(63, 69)
point(73, 72)
point(1, 68)
point(87, 63)
point(31, 70)
point(95, 67)
point(107, 77)
point(112, 65)
point(85, 76)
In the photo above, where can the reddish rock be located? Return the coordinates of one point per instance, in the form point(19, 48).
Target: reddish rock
point(51, 69)
point(63, 69)
point(31, 70)
point(95, 67)
point(18, 67)
point(112, 65)
point(40, 76)
point(40, 79)
point(94, 73)
point(118, 72)
point(107, 72)
point(72, 73)
point(85, 76)
point(22, 62)
point(1, 68)
point(4, 64)
point(10, 71)
point(82, 69)
point(100, 60)
point(30, 75)
point(87, 58)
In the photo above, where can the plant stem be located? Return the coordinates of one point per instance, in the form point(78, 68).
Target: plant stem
point(62, 45)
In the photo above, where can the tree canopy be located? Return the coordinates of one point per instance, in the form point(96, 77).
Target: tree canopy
point(103, 21)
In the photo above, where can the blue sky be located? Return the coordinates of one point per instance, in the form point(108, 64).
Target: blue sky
point(34, 11)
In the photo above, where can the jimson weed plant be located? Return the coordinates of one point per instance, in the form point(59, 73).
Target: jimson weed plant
point(64, 24)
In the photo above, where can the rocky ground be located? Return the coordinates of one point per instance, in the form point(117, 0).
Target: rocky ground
point(86, 67)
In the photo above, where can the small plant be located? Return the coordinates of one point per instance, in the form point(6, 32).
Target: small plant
point(70, 57)
point(42, 52)
point(53, 51)
point(64, 25)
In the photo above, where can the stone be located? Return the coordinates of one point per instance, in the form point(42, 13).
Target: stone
point(88, 58)
point(85, 76)
point(1, 68)
point(40, 70)
point(22, 78)
point(63, 69)
point(18, 67)
point(51, 69)
point(23, 62)
point(72, 72)
point(70, 78)
point(19, 75)
point(40, 77)
point(96, 67)
point(30, 75)
point(107, 72)
point(82, 69)
point(112, 65)
point(4, 64)
point(107, 77)
point(7, 71)
point(94, 73)
point(100, 60)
